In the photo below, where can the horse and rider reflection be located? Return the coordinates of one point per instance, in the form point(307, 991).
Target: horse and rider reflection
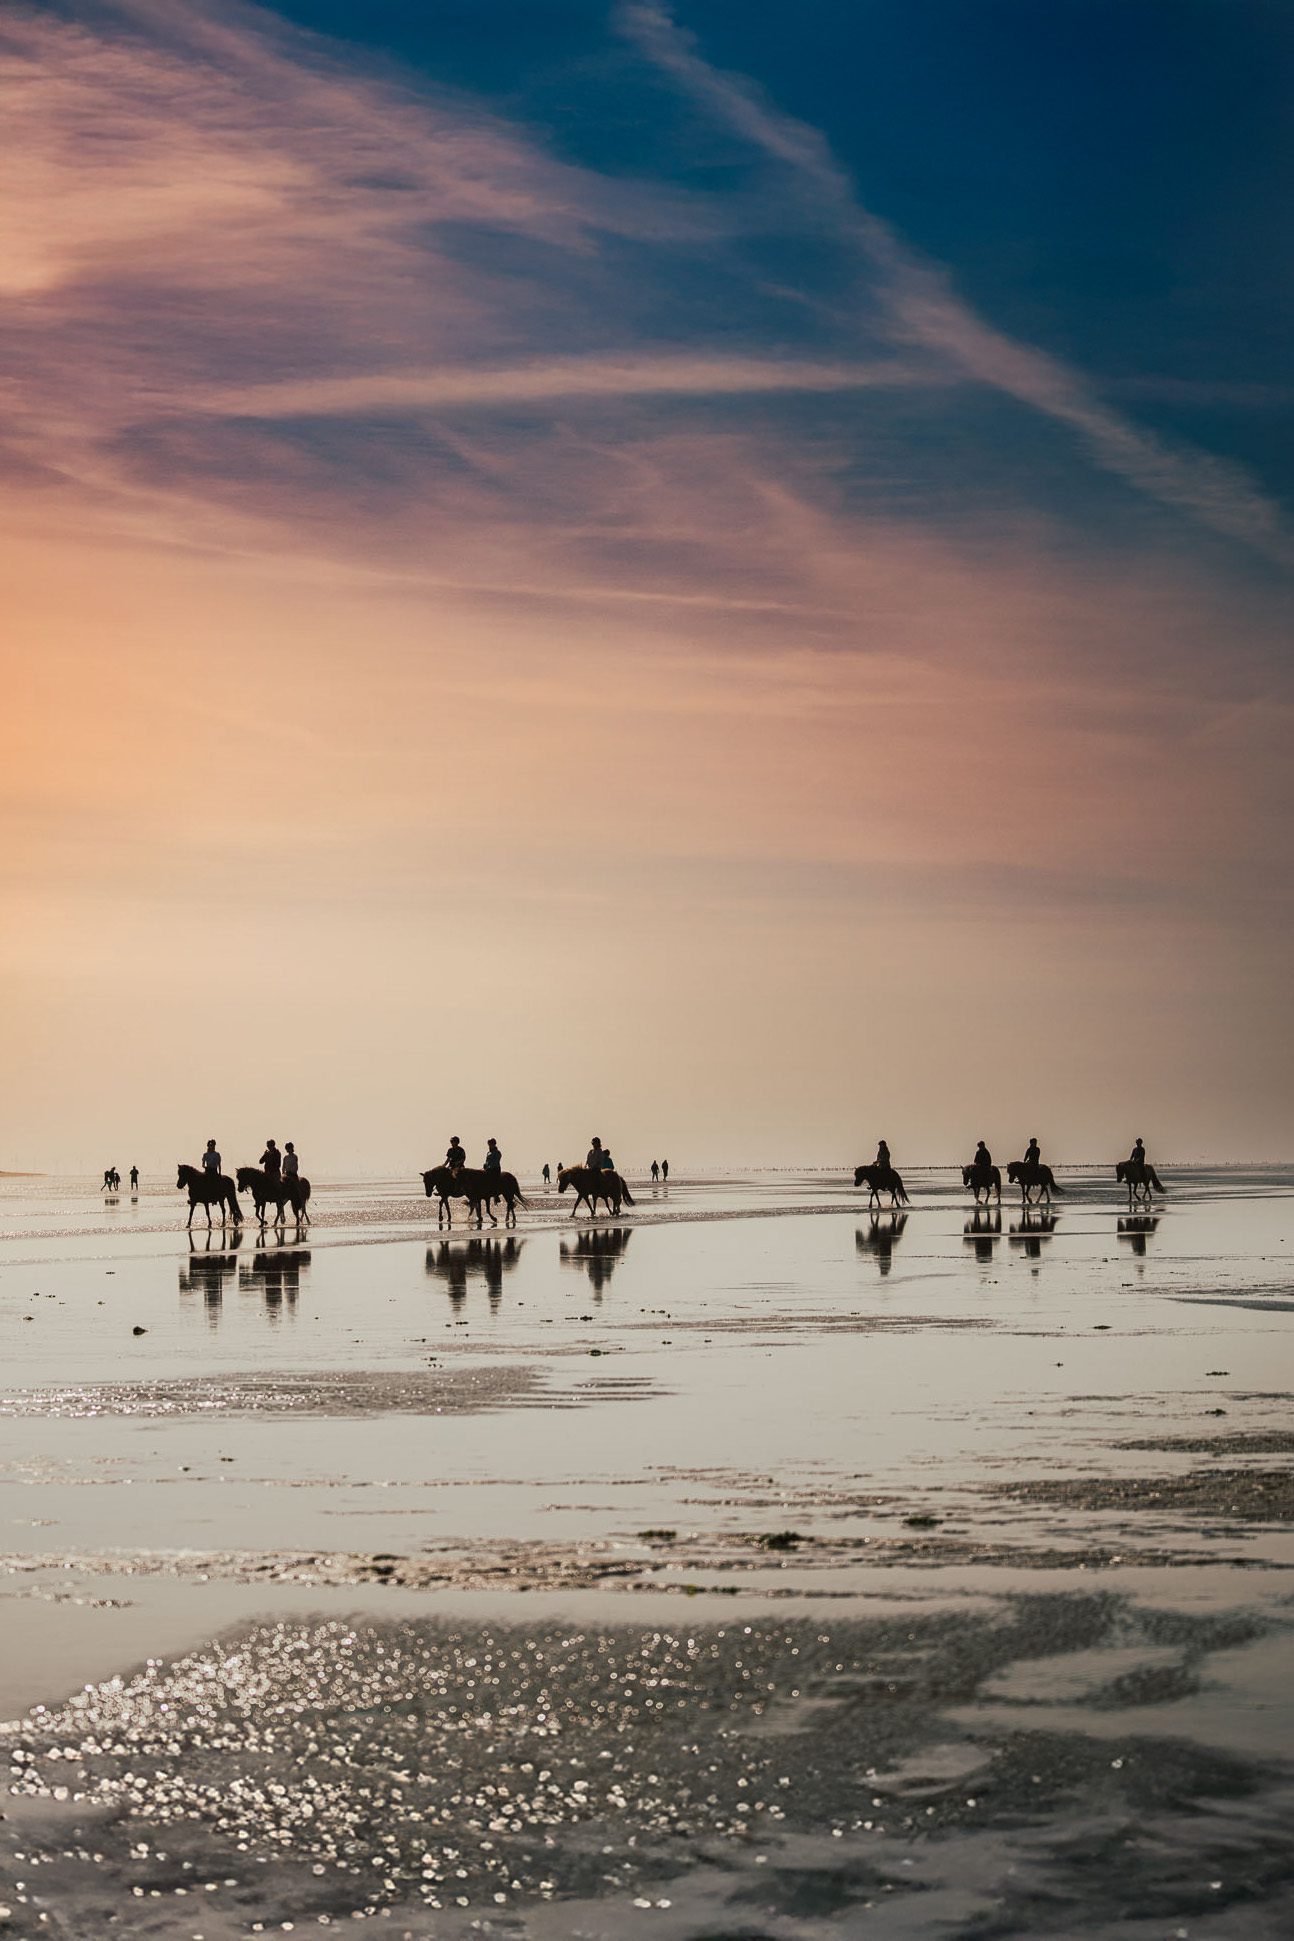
point(482, 1258)
point(1135, 1230)
point(275, 1273)
point(209, 1267)
point(1035, 1225)
point(983, 1231)
point(597, 1250)
point(880, 1237)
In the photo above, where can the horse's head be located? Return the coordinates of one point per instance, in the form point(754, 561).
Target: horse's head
point(860, 1174)
point(429, 1182)
point(1013, 1171)
point(245, 1175)
point(180, 1170)
point(966, 1175)
point(1121, 1171)
point(563, 1178)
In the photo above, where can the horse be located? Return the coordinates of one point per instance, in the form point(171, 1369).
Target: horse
point(983, 1179)
point(111, 1180)
point(1139, 1176)
point(286, 1190)
point(1029, 1174)
point(208, 1189)
point(882, 1179)
point(594, 1183)
point(479, 1188)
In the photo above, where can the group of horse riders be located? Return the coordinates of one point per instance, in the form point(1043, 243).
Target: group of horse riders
point(1032, 1155)
point(273, 1163)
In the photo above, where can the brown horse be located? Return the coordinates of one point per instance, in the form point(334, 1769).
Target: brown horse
point(479, 1188)
point(881, 1179)
point(1140, 1177)
point(1031, 1176)
point(208, 1190)
point(287, 1189)
point(592, 1184)
point(983, 1179)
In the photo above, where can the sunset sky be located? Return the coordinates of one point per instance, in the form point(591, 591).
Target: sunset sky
point(719, 577)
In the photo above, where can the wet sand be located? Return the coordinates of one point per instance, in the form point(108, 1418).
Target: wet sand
point(910, 1511)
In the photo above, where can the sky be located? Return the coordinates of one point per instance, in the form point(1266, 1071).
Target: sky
point(714, 575)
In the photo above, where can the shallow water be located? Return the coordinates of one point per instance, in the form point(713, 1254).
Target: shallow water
point(1061, 1445)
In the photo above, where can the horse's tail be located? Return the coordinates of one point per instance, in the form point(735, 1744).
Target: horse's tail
point(1155, 1180)
point(517, 1194)
point(626, 1195)
point(901, 1190)
point(1056, 1186)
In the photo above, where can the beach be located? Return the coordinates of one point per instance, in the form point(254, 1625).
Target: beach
point(749, 1565)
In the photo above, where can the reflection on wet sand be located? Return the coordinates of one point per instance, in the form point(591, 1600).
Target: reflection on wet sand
point(596, 1250)
point(1032, 1229)
point(276, 1272)
point(982, 1232)
point(880, 1237)
point(483, 1258)
point(1136, 1228)
point(212, 1261)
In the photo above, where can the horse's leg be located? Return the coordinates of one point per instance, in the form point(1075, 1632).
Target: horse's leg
point(192, 1205)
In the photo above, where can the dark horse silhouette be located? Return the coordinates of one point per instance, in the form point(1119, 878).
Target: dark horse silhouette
point(208, 1190)
point(111, 1180)
point(1031, 1176)
point(983, 1179)
point(288, 1190)
point(594, 1183)
point(479, 1188)
point(1139, 1176)
point(881, 1179)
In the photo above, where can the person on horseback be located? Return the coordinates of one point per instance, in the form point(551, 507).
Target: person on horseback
point(493, 1161)
point(1033, 1153)
point(1137, 1157)
point(211, 1158)
point(271, 1160)
point(882, 1154)
point(455, 1157)
point(595, 1158)
point(291, 1161)
point(983, 1157)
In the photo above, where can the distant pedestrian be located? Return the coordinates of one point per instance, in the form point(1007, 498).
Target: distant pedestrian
point(655, 1169)
point(548, 1178)
point(664, 1169)
point(134, 1178)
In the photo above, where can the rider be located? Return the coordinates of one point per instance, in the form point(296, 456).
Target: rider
point(211, 1158)
point(882, 1154)
point(1033, 1153)
point(493, 1161)
point(456, 1157)
point(271, 1160)
point(983, 1157)
point(291, 1161)
point(608, 1163)
point(1137, 1157)
point(595, 1159)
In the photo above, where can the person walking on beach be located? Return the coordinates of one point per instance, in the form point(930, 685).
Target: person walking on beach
point(664, 1170)
point(271, 1160)
point(134, 1179)
point(493, 1161)
point(211, 1158)
point(655, 1171)
point(548, 1178)
point(291, 1161)
point(455, 1157)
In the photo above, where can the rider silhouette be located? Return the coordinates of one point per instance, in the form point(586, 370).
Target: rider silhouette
point(291, 1162)
point(455, 1158)
point(493, 1161)
point(271, 1160)
point(1137, 1157)
point(983, 1157)
point(1033, 1153)
point(211, 1158)
point(882, 1154)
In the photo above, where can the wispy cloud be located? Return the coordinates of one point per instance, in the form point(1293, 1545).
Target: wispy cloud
point(927, 312)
